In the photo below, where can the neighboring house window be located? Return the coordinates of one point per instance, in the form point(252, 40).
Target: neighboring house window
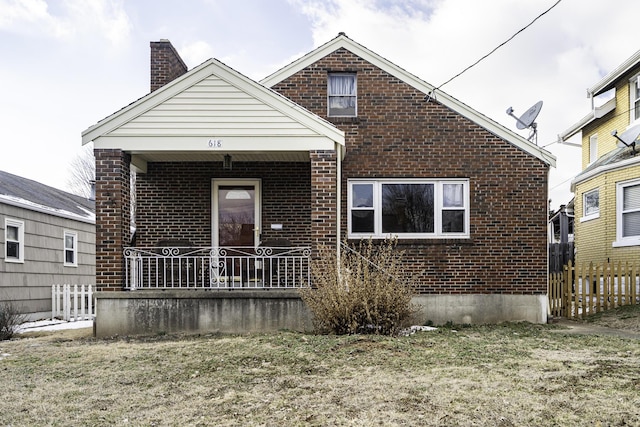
point(14, 240)
point(591, 204)
point(409, 208)
point(634, 96)
point(342, 90)
point(628, 213)
point(70, 249)
point(593, 148)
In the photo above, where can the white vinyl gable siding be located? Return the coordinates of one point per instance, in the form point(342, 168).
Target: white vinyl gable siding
point(213, 108)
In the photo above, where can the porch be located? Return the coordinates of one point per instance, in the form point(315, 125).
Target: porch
point(188, 267)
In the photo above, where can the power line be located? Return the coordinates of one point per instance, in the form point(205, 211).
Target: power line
point(498, 47)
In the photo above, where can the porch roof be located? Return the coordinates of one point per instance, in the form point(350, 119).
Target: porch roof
point(211, 111)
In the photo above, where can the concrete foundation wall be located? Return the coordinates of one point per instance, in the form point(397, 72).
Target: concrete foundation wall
point(482, 308)
point(195, 311)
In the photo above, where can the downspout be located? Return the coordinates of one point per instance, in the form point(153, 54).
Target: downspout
point(338, 197)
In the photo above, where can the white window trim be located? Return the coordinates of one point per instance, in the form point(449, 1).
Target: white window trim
point(623, 241)
point(591, 216)
point(377, 195)
point(20, 225)
point(355, 95)
point(74, 249)
point(634, 82)
point(593, 154)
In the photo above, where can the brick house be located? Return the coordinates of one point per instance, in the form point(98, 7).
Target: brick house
point(607, 190)
point(239, 183)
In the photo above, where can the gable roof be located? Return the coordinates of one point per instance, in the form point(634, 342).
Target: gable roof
point(609, 81)
point(342, 41)
point(213, 101)
point(28, 194)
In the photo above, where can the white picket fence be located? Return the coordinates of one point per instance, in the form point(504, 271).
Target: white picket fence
point(72, 302)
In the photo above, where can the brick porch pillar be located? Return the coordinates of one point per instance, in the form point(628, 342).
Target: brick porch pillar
point(324, 212)
point(113, 217)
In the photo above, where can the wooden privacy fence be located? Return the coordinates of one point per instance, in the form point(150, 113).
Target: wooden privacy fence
point(72, 302)
point(581, 290)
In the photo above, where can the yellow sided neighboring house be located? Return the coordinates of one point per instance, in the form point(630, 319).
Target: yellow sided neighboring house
point(607, 191)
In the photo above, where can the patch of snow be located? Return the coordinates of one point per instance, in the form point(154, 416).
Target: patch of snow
point(89, 217)
point(413, 329)
point(52, 325)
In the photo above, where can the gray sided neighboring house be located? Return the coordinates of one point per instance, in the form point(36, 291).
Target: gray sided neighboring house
point(47, 237)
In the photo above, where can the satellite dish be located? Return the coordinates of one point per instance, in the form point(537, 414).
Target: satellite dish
point(527, 120)
point(628, 138)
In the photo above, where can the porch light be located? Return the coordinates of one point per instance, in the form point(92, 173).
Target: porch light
point(227, 164)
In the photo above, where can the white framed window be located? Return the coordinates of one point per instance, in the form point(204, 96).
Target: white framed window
point(634, 98)
point(627, 213)
point(342, 90)
point(593, 148)
point(13, 240)
point(409, 208)
point(70, 249)
point(590, 205)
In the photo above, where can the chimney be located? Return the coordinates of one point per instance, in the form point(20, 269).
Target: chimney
point(166, 64)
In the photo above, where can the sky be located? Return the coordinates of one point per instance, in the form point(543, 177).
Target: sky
point(66, 64)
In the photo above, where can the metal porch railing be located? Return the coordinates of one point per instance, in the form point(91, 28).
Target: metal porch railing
point(217, 267)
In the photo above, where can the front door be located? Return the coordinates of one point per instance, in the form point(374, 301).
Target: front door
point(236, 213)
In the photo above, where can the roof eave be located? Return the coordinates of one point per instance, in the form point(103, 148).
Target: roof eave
point(609, 81)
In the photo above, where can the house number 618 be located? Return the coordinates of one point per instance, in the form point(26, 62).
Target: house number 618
point(215, 143)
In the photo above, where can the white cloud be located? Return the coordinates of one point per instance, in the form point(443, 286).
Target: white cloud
point(195, 53)
point(75, 19)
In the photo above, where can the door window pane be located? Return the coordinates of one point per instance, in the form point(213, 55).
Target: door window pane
point(236, 211)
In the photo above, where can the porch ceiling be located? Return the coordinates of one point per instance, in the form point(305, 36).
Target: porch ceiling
point(207, 156)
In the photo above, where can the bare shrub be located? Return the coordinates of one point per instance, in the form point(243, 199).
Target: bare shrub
point(362, 292)
point(10, 319)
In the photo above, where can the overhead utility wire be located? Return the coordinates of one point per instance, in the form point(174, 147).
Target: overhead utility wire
point(496, 48)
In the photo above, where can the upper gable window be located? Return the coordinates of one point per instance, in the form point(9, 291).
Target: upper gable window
point(634, 96)
point(342, 90)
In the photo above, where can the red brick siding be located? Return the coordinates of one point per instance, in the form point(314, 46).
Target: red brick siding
point(324, 212)
point(398, 134)
point(112, 217)
point(166, 64)
point(174, 200)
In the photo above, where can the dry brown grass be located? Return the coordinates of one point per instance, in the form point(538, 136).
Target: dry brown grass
point(506, 375)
